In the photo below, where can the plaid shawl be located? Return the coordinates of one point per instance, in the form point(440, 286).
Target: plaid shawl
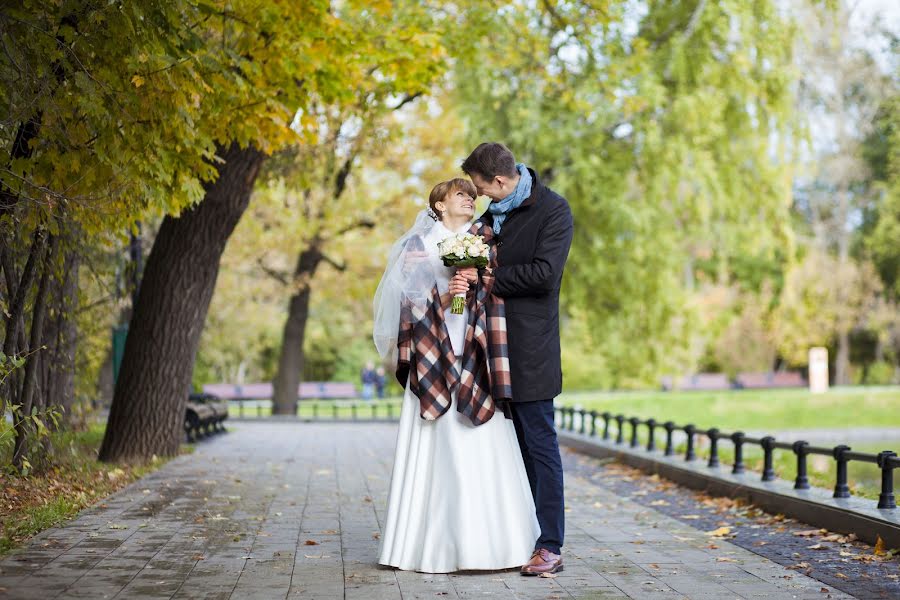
point(426, 356)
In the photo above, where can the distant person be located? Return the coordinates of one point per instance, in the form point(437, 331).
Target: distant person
point(379, 382)
point(368, 381)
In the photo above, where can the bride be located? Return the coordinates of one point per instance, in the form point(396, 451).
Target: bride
point(459, 496)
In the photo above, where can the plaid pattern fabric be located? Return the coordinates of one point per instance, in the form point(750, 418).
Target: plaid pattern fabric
point(426, 355)
point(485, 382)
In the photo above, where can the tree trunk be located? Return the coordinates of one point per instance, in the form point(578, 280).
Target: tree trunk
point(60, 388)
point(14, 338)
point(290, 362)
point(147, 414)
point(22, 425)
point(842, 359)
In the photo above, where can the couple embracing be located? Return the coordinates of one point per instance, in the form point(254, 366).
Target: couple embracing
point(477, 482)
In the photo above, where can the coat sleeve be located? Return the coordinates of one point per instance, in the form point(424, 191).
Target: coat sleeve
point(542, 274)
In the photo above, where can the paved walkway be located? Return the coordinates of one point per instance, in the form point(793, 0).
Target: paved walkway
point(291, 510)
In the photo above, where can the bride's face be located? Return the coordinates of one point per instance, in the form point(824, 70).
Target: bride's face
point(458, 204)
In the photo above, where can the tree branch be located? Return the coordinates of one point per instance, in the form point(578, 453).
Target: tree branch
point(277, 275)
point(342, 266)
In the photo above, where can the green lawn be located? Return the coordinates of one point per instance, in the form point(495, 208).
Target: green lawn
point(765, 410)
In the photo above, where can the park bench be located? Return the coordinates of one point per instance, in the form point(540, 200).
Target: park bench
point(204, 415)
point(261, 394)
point(781, 379)
point(698, 381)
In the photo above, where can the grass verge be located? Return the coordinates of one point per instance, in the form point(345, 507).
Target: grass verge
point(72, 480)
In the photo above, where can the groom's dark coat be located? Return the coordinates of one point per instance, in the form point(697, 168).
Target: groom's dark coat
point(533, 246)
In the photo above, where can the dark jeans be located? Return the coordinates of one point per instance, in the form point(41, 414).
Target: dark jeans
point(540, 451)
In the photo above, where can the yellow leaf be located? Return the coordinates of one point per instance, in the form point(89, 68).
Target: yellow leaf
point(137, 80)
point(721, 531)
point(879, 547)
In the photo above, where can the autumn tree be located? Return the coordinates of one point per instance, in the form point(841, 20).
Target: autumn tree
point(666, 128)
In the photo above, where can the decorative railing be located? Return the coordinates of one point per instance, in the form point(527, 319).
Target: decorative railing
point(842, 454)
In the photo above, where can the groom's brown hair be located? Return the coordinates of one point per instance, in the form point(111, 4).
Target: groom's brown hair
point(489, 160)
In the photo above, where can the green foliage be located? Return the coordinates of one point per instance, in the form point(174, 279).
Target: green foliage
point(658, 124)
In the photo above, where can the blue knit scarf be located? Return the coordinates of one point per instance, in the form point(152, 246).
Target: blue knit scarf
point(501, 208)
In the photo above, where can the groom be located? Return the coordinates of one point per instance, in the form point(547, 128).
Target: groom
point(533, 228)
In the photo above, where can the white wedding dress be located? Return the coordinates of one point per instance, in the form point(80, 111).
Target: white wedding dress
point(459, 496)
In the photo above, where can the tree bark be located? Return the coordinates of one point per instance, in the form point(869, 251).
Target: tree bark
point(60, 386)
point(22, 424)
point(147, 414)
point(13, 340)
point(291, 359)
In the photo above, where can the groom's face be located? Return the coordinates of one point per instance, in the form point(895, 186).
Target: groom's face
point(495, 189)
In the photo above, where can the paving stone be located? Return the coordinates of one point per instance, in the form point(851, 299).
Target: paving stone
point(294, 510)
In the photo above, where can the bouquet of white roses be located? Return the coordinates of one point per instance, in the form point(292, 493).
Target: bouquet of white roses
point(463, 250)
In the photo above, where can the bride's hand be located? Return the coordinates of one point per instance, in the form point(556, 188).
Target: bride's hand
point(458, 285)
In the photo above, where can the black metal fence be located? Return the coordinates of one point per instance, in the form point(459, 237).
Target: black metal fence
point(886, 461)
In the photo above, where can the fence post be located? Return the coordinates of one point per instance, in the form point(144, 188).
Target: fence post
point(606, 417)
point(593, 414)
point(690, 454)
point(620, 434)
point(886, 497)
point(669, 426)
point(634, 431)
point(802, 480)
point(768, 446)
point(651, 430)
point(713, 435)
point(841, 489)
point(738, 438)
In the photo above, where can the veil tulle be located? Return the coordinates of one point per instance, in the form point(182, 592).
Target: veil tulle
point(403, 280)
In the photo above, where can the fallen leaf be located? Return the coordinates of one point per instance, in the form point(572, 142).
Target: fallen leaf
point(549, 575)
point(879, 547)
point(690, 516)
point(311, 543)
point(817, 547)
point(841, 575)
point(726, 559)
point(808, 532)
point(659, 503)
point(721, 531)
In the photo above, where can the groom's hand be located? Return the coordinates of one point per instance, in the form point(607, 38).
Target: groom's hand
point(469, 273)
point(413, 258)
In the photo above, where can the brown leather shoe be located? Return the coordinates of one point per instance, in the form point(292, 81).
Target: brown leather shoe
point(542, 561)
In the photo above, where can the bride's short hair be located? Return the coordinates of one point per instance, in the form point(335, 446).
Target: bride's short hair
point(442, 191)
